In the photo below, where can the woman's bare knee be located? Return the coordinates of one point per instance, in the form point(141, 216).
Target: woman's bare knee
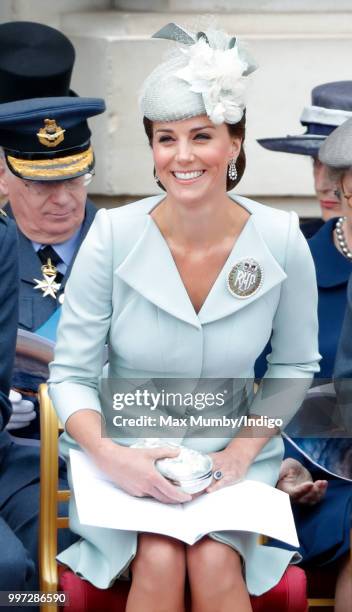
point(215, 577)
point(208, 557)
point(159, 556)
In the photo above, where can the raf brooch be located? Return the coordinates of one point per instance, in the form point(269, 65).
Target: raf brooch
point(48, 284)
point(245, 278)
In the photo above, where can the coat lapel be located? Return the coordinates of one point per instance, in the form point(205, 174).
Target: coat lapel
point(29, 263)
point(250, 244)
point(150, 270)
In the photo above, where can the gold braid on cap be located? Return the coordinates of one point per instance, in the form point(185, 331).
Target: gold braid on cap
point(52, 168)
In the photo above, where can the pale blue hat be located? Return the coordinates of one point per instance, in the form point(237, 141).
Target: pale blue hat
point(205, 75)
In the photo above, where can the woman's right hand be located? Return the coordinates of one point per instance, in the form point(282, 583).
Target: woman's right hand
point(134, 471)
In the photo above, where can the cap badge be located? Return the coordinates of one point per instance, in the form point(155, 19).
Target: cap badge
point(245, 278)
point(51, 134)
point(47, 284)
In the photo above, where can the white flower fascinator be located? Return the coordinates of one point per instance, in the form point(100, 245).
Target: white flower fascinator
point(206, 77)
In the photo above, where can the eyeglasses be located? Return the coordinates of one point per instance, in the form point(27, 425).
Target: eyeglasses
point(348, 196)
point(47, 187)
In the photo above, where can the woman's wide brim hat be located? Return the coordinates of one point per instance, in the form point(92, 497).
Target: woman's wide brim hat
point(331, 106)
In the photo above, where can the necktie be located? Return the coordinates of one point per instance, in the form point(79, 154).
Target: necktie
point(48, 252)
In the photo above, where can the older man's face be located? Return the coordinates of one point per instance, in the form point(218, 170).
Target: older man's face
point(48, 213)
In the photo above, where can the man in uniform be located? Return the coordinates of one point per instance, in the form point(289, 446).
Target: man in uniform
point(50, 180)
point(52, 218)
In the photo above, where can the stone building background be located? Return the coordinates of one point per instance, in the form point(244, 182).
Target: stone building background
point(297, 43)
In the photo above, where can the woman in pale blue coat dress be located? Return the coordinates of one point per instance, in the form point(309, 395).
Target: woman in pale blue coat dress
point(190, 284)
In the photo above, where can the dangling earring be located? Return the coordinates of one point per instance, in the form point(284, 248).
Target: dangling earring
point(232, 170)
point(156, 178)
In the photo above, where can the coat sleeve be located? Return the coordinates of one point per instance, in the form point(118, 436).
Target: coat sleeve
point(294, 356)
point(84, 324)
point(343, 366)
point(343, 363)
point(8, 312)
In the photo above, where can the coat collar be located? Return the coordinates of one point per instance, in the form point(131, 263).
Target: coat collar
point(156, 277)
point(332, 268)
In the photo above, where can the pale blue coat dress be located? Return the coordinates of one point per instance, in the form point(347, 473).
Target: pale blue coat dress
point(125, 288)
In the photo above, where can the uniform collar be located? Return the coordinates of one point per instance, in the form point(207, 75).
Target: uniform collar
point(156, 277)
point(64, 249)
point(30, 266)
point(332, 268)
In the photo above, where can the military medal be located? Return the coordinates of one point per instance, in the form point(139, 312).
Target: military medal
point(245, 278)
point(47, 284)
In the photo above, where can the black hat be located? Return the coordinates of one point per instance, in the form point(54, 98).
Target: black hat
point(35, 61)
point(331, 106)
point(48, 139)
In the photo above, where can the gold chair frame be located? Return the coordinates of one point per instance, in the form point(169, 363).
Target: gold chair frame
point(50, 496)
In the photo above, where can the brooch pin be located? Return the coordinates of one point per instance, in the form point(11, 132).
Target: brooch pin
point(245, 278)
point(47, 284)
point(51, 134)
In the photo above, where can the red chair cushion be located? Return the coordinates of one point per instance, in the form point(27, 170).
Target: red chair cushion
point(289, 595)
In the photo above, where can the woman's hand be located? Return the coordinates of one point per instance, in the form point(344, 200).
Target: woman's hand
point(233, 469)
point(134, 471)
point(297, 481)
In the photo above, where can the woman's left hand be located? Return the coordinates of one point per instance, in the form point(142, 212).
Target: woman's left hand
point(232, 468)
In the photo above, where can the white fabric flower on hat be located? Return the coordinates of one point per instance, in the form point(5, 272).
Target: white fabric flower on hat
point(217, 74)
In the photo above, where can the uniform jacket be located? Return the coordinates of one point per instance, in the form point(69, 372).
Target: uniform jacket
point(8, 319)
point(132, 293)
point(12, 478)
point(34, 310)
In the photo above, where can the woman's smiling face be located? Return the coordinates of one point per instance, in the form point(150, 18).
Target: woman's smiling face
point(191, 157)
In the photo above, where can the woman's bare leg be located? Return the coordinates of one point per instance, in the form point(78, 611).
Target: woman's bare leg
point(215, 578)
point(343, 593)
point(158, 575)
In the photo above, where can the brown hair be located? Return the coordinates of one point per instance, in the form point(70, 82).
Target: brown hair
point(237, 130)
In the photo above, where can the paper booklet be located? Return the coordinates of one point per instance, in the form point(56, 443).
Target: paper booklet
point(246, 506)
